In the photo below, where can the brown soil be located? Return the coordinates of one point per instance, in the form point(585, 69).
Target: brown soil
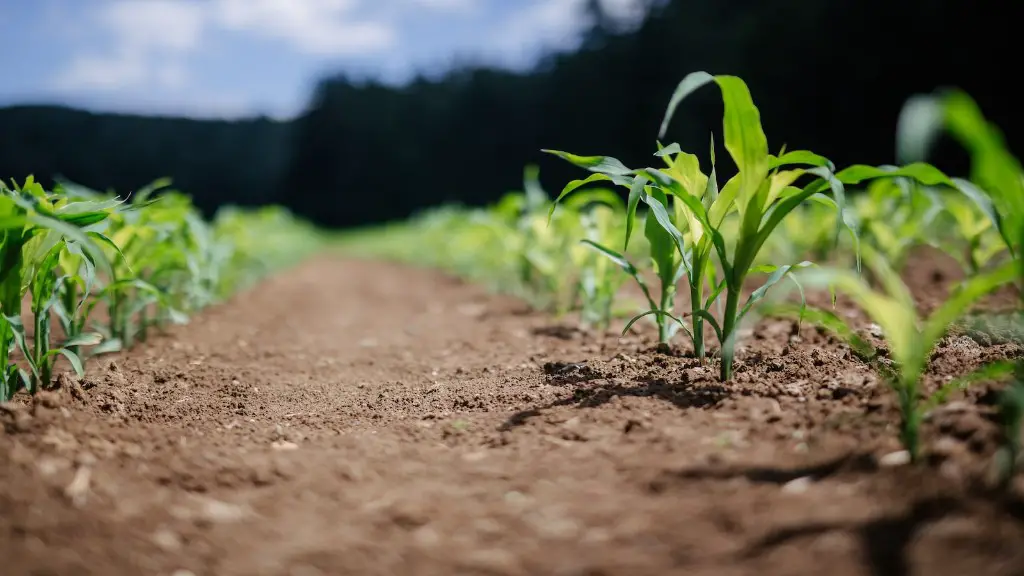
point(364, 418)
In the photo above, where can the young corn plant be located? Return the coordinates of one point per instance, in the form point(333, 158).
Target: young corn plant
point(996, 187)
point(662, 250)
point(978, 244)
point(895, 215)
point(996, 182)
point(37, 228)
point(910, 339)
point(149, 250)
point(600, 278)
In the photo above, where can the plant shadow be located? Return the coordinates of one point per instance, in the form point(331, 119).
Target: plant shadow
point(885, 541)
point(680, 394)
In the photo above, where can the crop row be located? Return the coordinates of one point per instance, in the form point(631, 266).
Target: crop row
point(105, 271)
point(791, 216)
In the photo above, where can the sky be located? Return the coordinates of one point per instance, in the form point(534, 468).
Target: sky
point(238, 58)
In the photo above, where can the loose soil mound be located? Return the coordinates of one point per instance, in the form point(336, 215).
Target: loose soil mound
point(364, 418)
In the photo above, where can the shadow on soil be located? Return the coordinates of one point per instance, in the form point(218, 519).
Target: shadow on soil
point(845, 463)
point(884, 540)
point(681, 395)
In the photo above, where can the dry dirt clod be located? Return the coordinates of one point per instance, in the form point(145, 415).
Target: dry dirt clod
point(78, 489)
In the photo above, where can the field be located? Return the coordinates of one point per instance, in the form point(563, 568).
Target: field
point(477, 391)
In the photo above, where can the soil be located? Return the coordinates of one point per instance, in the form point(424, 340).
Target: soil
point(356, 417)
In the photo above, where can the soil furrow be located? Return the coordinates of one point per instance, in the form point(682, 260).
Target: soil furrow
point(353, 417)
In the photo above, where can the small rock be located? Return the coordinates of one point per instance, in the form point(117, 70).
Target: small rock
point(167, 540)
point(217, 511)
point(284, 445)
point(875, 330)
point(893, 459)
point(797, 486)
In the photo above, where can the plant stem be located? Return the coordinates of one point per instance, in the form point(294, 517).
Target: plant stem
point(910, 416)
point(70, 297)
point(732, 301)
point(696, 299)
point(667, 291)
point(39, 349)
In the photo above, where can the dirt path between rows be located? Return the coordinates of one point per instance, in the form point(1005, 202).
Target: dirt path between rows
point(354, 417)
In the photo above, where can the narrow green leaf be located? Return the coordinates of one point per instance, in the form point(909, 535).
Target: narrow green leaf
point(991, 371)
point(924, 173)
point(600, 164)
point(687, 86)
point(636, 192)
point(572, 186)
point(797, 157)
point(827, 320)
point(84, 339)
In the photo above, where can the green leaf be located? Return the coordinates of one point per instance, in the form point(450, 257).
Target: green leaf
point(76, 362)
point(777, 274)
point(827, 320)
point(108, 346)
point(966, 295)
point(572, 186)
point(672, 148)
point(662, 235)
point(656, 313)
point(612, 255)
point(84, 339)
point(984, 203)
point(896, 315)
point(800, 157)
point(924, 173)
point(992, 371)
point(636, 192)
point(687, 86)
point(744, 137)
point(600, 164)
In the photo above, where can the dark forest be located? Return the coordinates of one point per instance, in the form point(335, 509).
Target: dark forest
point(827, 76)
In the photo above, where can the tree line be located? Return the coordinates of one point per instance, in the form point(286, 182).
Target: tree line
point(827, 76)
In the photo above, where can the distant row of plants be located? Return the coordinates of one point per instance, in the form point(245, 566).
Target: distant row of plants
point(681, 226)
point(105, 271)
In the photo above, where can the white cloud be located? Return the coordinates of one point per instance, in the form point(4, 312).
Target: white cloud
point(319, 27)
point(152, 38)
point(137, 46)
point(172, 25)
point(448, 5)
point(547, 24)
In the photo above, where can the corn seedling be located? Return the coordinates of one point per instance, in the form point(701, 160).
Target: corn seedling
point(73, 249)
point(996, 187)
point(910, 339)
point(662, 250)
point(600, 279)
point(996, 181)
point(38, 228)
point(760, 195)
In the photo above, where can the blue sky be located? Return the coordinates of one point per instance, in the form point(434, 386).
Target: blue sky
point(231, 58)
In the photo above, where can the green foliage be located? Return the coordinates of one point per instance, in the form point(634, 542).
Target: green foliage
point(910, 338)
point(73, 250)
point(521, 246)
point(777, 211)
point(694, 218)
